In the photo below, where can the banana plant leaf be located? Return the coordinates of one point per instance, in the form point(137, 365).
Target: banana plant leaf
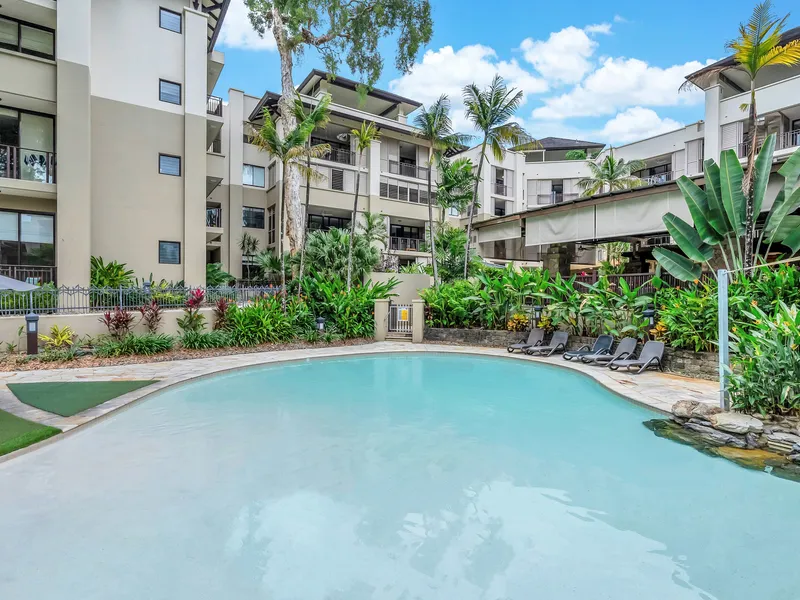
point(716, 210)
point(679, 266)
point(762, 168)
point(687, 238)
point(730, 178)
point(782, 207)
point(698, 207)
point(785, 229)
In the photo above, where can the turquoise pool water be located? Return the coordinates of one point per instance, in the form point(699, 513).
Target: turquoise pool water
point(390, 477)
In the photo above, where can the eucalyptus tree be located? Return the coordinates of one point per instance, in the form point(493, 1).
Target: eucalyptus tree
point(610, 175)
point(435, 126)
point(364, 137)
point(290, 149)
point(343, 33)
point(490, 110)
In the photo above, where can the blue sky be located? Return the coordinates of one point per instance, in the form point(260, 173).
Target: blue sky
point(588, 70)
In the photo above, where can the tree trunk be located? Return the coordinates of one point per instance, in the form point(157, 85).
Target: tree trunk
point(291, 176)
point(353, 226)
point(430, 221)
point(280, 245)
point(305, 219)
point(748, 185)
point(472, 206)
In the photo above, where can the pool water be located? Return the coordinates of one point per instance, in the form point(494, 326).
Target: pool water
point(390, 477)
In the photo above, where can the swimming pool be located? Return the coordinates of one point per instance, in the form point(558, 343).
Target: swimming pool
point(390, 477)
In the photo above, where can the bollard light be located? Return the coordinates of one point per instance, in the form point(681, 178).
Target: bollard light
point(650, 313)
point(537, 313)
point(320, 324)
point(32, 328)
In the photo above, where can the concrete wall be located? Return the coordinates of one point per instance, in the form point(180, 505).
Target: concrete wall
point(29, 77)
point(408, 288)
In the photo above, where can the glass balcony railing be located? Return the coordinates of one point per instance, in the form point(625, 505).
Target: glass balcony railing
point(401, 243)
point(27, 164)
point(213, 217)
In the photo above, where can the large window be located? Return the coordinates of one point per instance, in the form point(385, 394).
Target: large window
point(26, 146)
point(253, 175)
point(169, 253)
point(27, 38)
point(169, 165)
point(271, 225)
point(27, 239)
point(252, 217)
point(169, 91)
point(271, 172)
point(169, 20)
point(325, 222)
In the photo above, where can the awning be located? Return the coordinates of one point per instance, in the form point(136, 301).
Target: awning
point(510, 230)
point(571, 225)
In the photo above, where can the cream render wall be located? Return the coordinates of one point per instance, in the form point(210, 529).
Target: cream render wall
point(29, 77)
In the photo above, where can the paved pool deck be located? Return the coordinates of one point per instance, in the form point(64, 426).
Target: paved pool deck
point(652, 389)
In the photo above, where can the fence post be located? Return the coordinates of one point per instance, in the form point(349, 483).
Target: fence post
point(417, 321)
point(723, 336)
point(381, 319)
point(120, 295)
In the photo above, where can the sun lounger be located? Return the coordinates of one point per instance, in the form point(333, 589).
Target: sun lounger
point(625, 348)
point(650, 356)
point(535, 338)
point(602, 345)
point(557, 343)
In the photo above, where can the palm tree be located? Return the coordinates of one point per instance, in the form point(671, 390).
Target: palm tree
point(611, 175)
point(323, 118)
point(435, 126)
point(491, 111)
point(290, 149)
point(756, 47)
point(454, 188)
point(364, 138)
point(249, 246)
point(374, 228)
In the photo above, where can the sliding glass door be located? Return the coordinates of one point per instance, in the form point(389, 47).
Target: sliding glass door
point(27, 146)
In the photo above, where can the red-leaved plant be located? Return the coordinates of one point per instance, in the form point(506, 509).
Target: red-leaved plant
point(192, 320)
point(119, 322)
point(151, 315)
point(221, 313)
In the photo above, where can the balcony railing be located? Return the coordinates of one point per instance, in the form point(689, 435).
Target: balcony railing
point(788, 139)
point(27, 164)
point(213, 217)
point(214, 106)
point(662, 177)
point(344, 157)
point(501, 189)
point(400, 243)
point(32, 274)
point(405, 169)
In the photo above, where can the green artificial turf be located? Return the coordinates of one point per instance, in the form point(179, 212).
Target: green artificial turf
point(70, 398)
point(16, 433)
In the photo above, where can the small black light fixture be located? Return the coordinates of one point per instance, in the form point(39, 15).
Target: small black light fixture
point(320, 324)
point(650, 313)
point(32, 329)
point(537, 313)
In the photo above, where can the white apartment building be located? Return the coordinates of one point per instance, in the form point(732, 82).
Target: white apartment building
point(393, 172)
point(105, 117)
point(572, 222)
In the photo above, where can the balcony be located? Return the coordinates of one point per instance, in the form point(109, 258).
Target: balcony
point(405, 244)
point(501, 189)
point(789, 139)
point(405, 169)
point(214, 217)
point(37, 275)
point(500, 209)
point(344, 157)
point(26, 164)
point(661, 177)
point(214, 106)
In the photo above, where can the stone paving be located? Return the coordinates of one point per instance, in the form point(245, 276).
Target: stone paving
point(655, 390)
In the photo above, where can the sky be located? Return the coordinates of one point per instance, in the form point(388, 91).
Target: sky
point(589, 70)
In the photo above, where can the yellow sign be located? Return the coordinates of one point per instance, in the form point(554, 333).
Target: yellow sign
point(404, 314)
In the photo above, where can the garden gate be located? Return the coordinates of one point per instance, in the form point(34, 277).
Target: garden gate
point(400, 319)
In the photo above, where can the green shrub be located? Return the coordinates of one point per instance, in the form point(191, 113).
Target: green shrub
point(134, 344)
point(109, 275)
point(765, 362)
point(452, 305)
point(63, 354)
point(261, 322)
point(216, 276)
point(204, 340)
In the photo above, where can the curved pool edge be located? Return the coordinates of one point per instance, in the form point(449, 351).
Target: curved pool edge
point(619, 384)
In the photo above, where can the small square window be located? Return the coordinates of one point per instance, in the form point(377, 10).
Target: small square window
point(252, 217)
point(253, 175)
point(169, 253)
point(169, 165)
point(169, 91)
point(169, 20)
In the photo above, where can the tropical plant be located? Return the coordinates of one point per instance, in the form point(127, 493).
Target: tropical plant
point(133, 344)
point(688, 316)
point(434, 125)
point(205, 340)
point(248, 245)
point(217, 277)
point(518, 322)
point(610, 175)
point(417, 268)
point(575, 155)
point(60, 337)
point(290, 148)
point(327, 254)
point(118, 321)
point(221, 312)
point(719, 214)
point(364, 137)
point(452, 305)
point(756, 47)
point(373, 228)
point(63, 354)
point(193, 319)
point(490, 110)
point(152, 313)
point(455, 185)
point(451, 245)
point(265, 320)
point(109, 275)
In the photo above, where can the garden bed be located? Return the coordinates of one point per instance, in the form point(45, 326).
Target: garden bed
point(20, 362)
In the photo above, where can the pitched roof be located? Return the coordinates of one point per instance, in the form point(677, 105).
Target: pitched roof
point(556, 143)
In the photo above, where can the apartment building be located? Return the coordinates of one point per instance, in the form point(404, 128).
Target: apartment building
point(393, 173)
point(105, 117)
point(555, 230)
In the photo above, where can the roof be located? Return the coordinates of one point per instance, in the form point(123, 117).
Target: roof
point(557, 143)
point(216, 11)
point(701, 78)
point(349, 84)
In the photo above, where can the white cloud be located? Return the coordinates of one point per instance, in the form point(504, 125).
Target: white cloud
point(447, 71)
point(636, 123)
point(620, 19)
point(565, 56)
point(237, 32)
point(619, 83)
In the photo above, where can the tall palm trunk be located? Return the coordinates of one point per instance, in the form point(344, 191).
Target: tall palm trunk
point(353, 226)
point(472, 206)
point(430, 221)
point(305, 219)
point(280, 242)
point(749, 187)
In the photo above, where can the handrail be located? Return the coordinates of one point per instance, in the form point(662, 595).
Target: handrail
point(27, 164)
point(214, 105)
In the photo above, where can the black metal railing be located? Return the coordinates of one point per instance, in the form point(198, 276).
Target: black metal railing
point(27, 164)
point(32, 274)
point(214, 106)
point(213, 217)
point(344, 157)
point(401, 243)
point(501, 189)
point(405, 169)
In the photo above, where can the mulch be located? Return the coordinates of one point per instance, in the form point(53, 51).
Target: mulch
point(18, 362)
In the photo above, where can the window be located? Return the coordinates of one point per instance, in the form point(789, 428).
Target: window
point(271, 225)
point(169, 20)
point(271, 172)
point(169, 91)
point(252, 217)
point(169, 253)
point(169, 165)
point(325, 222)
point(337, 179)
point(453, 212)
point(27, 239)
point(33, 134)
point(253, 175)
point(27, 38)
